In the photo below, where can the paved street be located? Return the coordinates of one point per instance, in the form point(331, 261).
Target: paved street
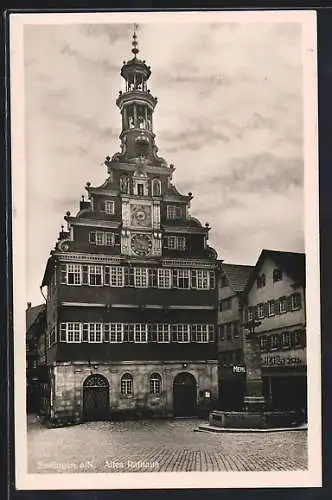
point(163, 445)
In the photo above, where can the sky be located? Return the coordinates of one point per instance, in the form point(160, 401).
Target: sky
point(229, 117)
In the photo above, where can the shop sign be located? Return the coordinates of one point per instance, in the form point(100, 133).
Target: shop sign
point(293, 357)
point(238, 369)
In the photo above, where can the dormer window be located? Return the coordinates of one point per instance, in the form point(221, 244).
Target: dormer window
point(124, 184)
point(277, 275)
point(108, 207)
point(140, 189)
point(173, 212)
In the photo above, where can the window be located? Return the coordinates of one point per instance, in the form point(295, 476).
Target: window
point(156, 187)
point(173, 212)
point(260, 281)
point(99, 238)
point(176, 243)
point(200, 279)
point(260, 310)
point(109, 239)
point(250, 313)
point(286, 340)
point(52, 337)
point(163, 333)
point(108, 207)
point(114, 276)
point(264, 342)
point(140, 333)
point(181, 278)
point(74, 276)
point(271, 308)
point(297, 338)
point(275, 341)
point(236, 330)
point(181, 333)
point(200, 333)
point(141, 277)
point(283, 305)
point(164, 278)
point(229, 331)
point(296, 301)
point(225, 305)
point(95, 275)
point(155, 384)
point(223, 282)
point(140, 189)
point(127, 384)
point(277, 275)
point(73, 332)
point(115, 332)
point(221, 332)
point(95, 332)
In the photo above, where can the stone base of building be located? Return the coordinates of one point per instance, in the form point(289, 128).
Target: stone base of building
point(254, 420)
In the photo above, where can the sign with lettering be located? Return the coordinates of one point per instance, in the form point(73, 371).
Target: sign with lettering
point(238, 369)
point(292, 357)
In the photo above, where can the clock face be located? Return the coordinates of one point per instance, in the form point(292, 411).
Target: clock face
point(141, 244)
point(141, 215)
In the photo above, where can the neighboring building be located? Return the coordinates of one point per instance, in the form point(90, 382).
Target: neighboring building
point(131, 286)
point(35, 326)
point(275, 297)
point(231, 371)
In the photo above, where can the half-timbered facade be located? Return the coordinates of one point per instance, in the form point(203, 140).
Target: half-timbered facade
point(131, 286)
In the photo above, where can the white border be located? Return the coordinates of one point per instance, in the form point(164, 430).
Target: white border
point(312, 477)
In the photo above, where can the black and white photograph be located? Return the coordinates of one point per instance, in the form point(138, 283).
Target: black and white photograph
point(165, 250)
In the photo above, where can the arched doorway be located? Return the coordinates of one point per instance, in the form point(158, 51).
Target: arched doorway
point(96, 403)
point(184, 395)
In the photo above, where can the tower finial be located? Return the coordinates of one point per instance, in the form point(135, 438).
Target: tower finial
point(134, 43)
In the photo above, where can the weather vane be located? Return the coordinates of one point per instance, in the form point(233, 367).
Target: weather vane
point(134, 42)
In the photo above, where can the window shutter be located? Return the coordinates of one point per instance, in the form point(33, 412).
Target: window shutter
point(107, 275)
point(165, 242)
point(211, 333)
point(126, 276)
point(106, 332)
point(194, 278)
point(92, 237)
point(85, 275)
point(175, 278)
point(255, 312)
point(117, 239)
point(277, 306)
point(173, 334)
point(125, 333)
point(131, 276)
point(63, 332)
point(193, 335)
point(288, 303)
point(266, 309)
point(63, 274)
point(152, 333)
point(102, 206)
point(153, 278)
point(85, 332)
point(212, 280)
point(131, 337)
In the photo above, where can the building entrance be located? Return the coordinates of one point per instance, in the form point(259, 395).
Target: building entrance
point(96, 404)
point(185, 395)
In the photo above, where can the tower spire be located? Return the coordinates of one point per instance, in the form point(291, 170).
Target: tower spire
point(134, 43)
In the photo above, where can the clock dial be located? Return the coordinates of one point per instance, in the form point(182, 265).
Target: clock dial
point(141, 215)
point(141, 244)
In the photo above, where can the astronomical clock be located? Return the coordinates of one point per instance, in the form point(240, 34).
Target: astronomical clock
point(141, 244)
point(140, 216)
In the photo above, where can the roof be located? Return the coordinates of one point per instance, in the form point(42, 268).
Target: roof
point(237, 275)
point(32, 314)
point(292, 263)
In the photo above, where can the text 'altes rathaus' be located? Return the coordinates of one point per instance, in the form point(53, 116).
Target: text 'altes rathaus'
point(131, 287)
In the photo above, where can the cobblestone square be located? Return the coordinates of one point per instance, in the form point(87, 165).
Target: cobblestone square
point(160, 446)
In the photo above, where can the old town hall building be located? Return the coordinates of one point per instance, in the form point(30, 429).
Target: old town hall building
point(131, 287)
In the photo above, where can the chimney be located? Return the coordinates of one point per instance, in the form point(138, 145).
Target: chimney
point(29, 305)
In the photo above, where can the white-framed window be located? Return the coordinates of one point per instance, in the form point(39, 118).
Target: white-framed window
point(95, 332)
point(113, 333)
point(296, 301)
point(116, 276)
point(182, 333)
point(110, 207)
point(95, 275)
point(163, 333)
point(271, 308)
point(181, 278)
point(109, 239)
point(173, 212)
point(164, 278)
point(176, 243)
point(286, 340)
point(141, 277)
point(283, 305)
point(74, 274)
point(100, 238)
point(200, 333)
point(73, 332)
point(155, 384)
point(127, 384)
point(260, 310)
point(141, 333)
point(200, 279)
